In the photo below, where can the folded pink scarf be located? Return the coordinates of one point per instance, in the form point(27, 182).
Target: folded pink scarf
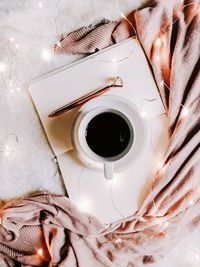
point(48, 230)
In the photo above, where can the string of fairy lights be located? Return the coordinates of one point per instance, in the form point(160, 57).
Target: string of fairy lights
point(117, 60)
point(84, 204)
point(9, 77)
point(184, 113)
point(9, 80)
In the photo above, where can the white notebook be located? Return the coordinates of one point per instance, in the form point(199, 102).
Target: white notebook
point(109, 201)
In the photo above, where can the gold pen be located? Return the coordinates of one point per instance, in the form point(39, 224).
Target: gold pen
point(118, 82)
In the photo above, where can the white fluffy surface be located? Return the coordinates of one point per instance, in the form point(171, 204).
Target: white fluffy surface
point(31, 166)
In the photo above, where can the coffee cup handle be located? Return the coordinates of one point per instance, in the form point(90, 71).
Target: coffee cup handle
point(108, 170)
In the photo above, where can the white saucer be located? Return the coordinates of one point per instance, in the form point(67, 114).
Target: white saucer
point(131, 112)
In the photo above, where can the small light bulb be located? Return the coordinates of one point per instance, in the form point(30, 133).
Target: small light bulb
point(46, 54)
point(166, 224)
point(84, 205)
point(157, 58)
point(58, 44)
point(191, 202)
point(160, 164)
point(118, 240)
point(10, 144)
point(197, 257)
point(158, 42)
point(143, 114)
point(184, 112)
point(7, 150)
point(40, 252)
point(162, 83)
point(12, 39)
point(123, 16)
point(2, 67)
point(40, 5)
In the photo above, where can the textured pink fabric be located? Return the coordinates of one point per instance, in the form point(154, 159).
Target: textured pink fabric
point(171, 208)
point(87, 40)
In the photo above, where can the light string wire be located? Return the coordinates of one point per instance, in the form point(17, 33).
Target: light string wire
point(117, 60)
point(12, 49)
point(84, 206)
point(4, 82)
point(158, 43)
point(12, 140)
point(160, 164)
point(10, 82)
point(55, 22)
point(129, 22)
point(11, 143)
point(131, 52)
point(184, 6)
point(113, 203)
point(12, 52)
point(166, 223)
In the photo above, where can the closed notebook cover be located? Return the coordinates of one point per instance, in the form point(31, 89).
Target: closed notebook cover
point(87, 188)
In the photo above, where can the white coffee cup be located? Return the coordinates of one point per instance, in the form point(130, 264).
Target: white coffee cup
point(137, 129)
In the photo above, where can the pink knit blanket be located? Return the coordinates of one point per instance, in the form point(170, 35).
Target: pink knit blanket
point(48, 230)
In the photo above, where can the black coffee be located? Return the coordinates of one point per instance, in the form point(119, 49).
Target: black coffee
point(108, 134)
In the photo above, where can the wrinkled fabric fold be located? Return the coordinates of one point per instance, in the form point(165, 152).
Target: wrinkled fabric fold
point(70, 238)
point(87, 40)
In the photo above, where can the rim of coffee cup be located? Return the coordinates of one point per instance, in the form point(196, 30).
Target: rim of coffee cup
point(82, 134)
